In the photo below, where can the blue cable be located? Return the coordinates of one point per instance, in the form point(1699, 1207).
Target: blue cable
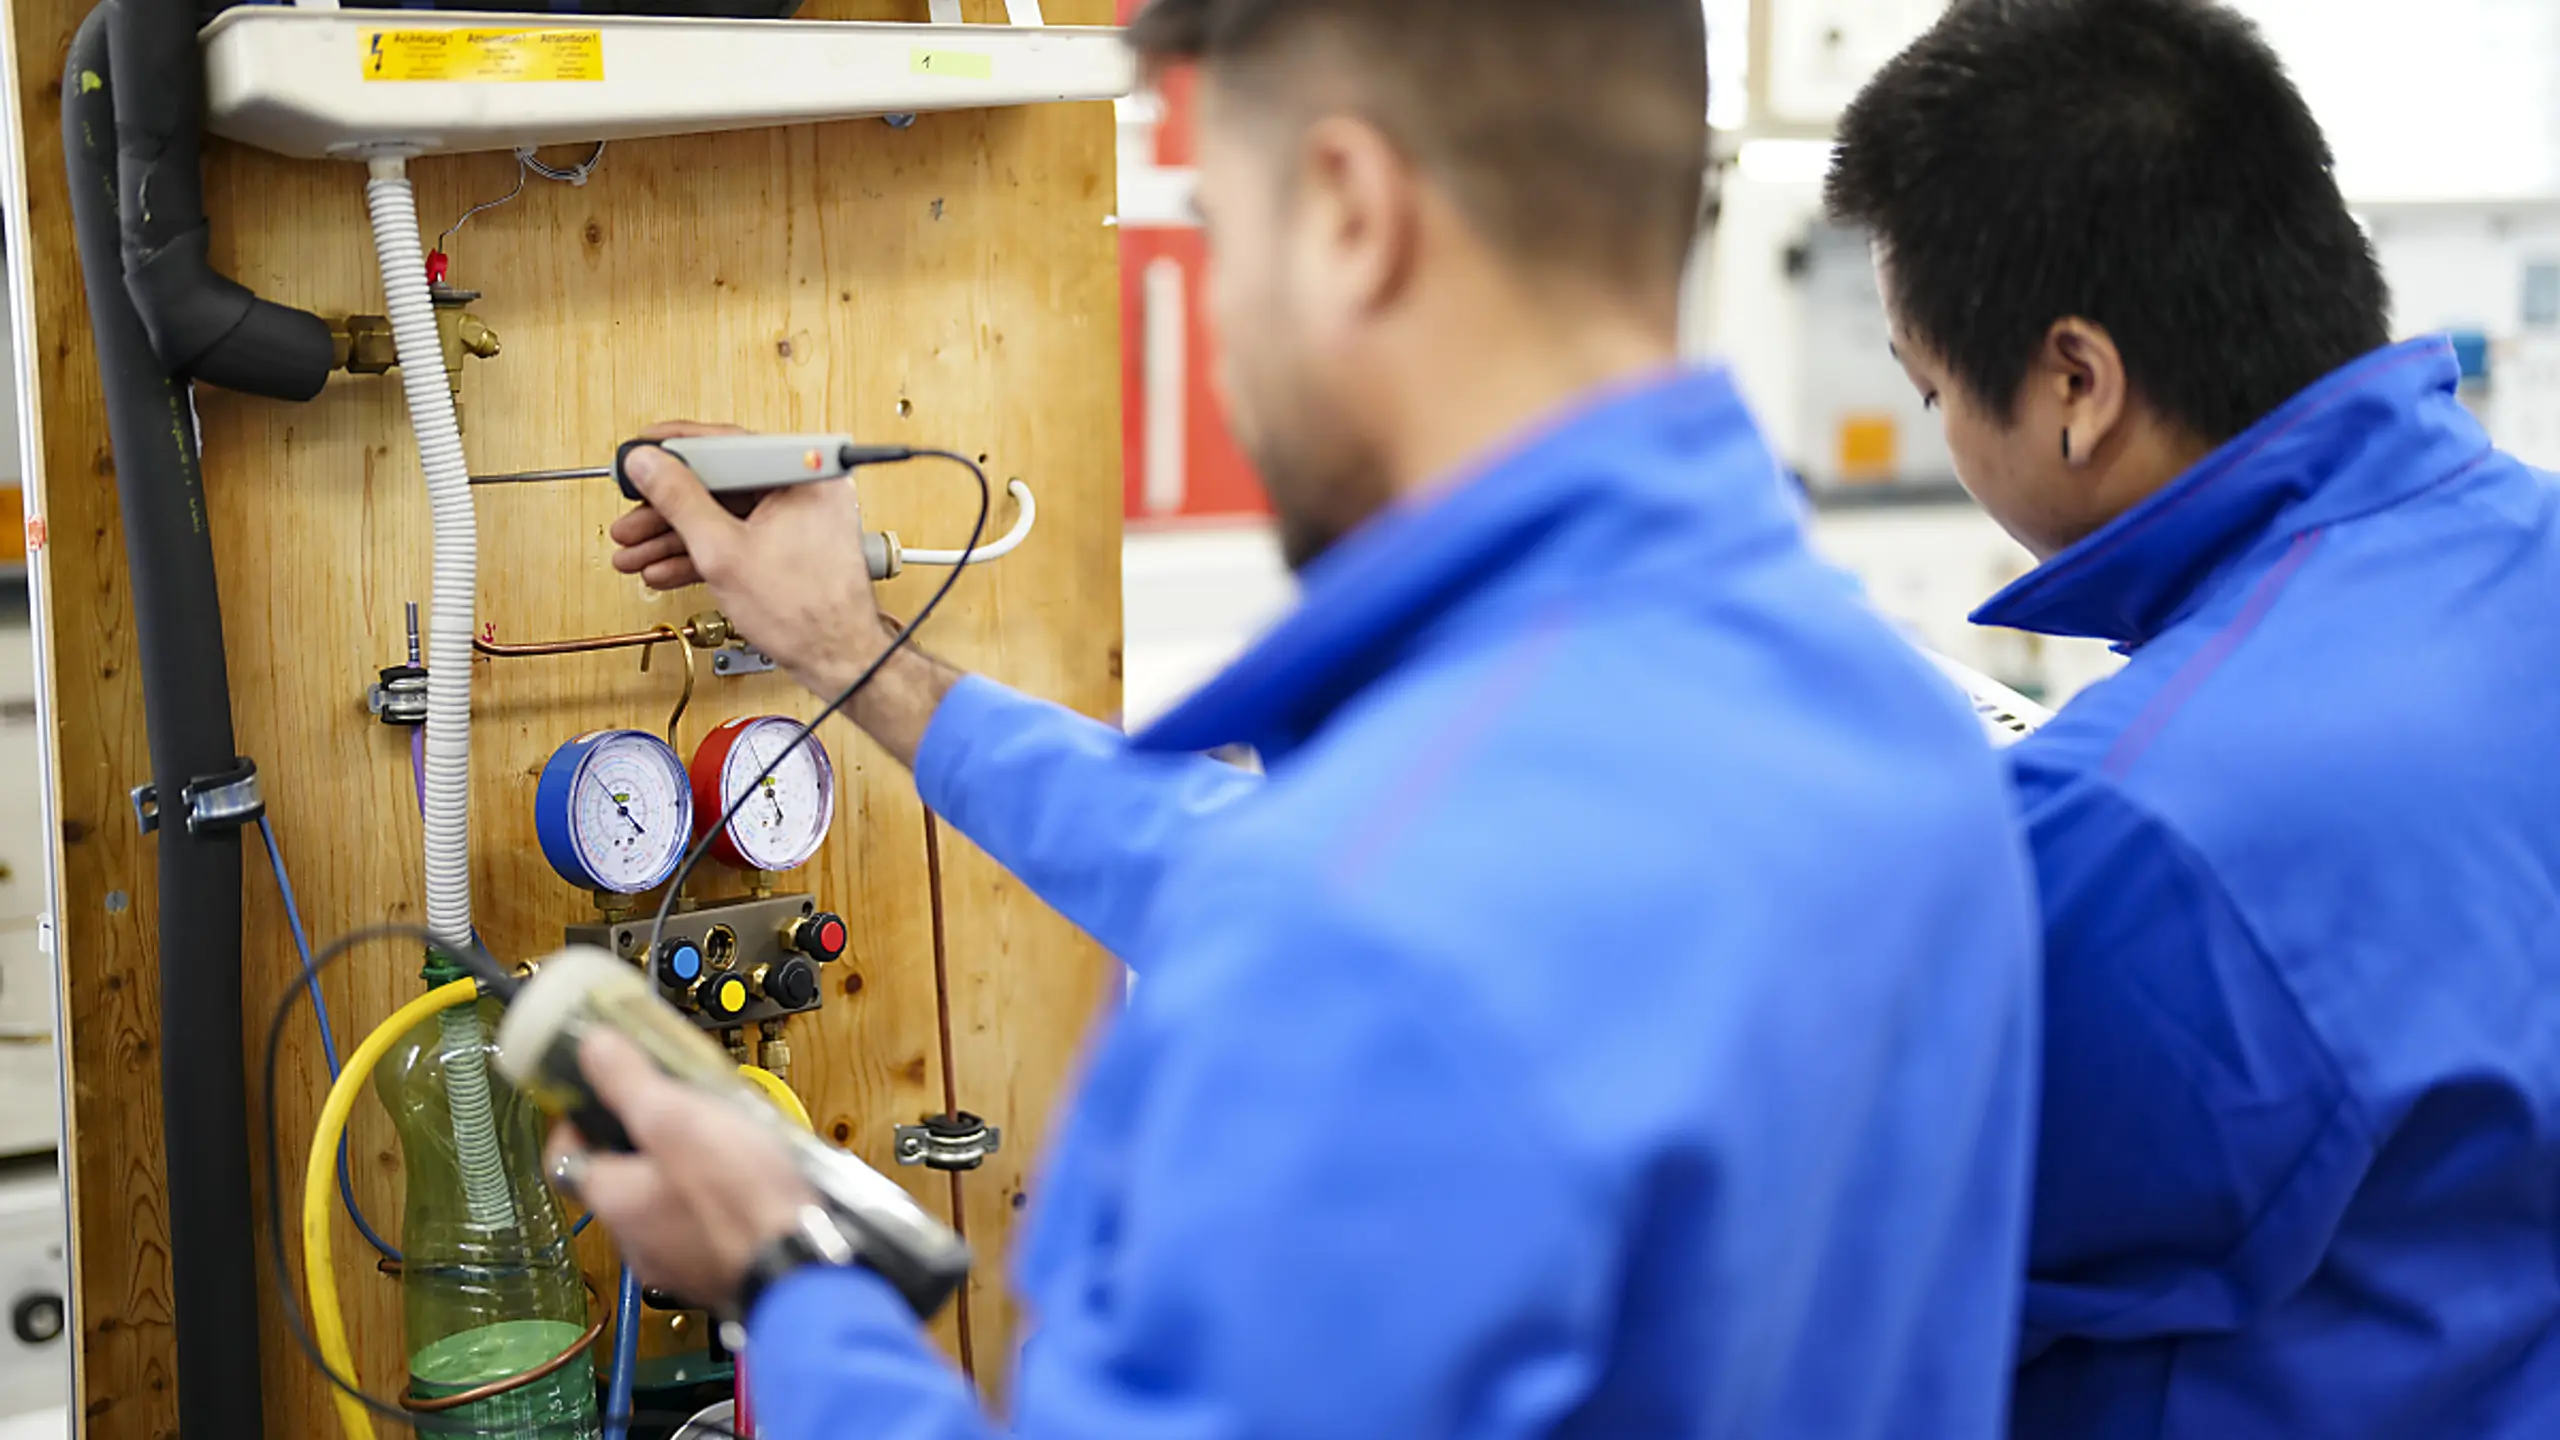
point(329, 1046)
point(626, 1358)
point(328, 1041)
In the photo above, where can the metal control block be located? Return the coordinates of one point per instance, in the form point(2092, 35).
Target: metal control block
point(733, 963)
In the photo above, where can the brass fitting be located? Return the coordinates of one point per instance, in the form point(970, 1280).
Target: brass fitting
point(464, 334)
point(774, 1053)
point(709, 630)
point(364, 346)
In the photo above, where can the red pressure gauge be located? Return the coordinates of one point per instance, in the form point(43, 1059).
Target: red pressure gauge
point(787, 812)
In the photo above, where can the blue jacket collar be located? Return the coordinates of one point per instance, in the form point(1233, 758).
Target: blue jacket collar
point(1363, 601)
point(2366, 437)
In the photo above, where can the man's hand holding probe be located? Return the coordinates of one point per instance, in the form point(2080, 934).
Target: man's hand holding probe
point(786, 567)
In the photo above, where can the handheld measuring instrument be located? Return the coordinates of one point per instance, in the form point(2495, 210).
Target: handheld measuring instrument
point(581, 991)
point(751, 464)
point(614, 811)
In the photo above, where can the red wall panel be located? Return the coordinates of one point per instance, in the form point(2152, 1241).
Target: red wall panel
point(1184, 466)
point(1214, 479)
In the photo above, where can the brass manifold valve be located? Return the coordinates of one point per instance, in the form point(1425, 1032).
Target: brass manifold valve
point(365, 345)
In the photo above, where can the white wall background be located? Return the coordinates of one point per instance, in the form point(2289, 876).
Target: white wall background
point(2428, 99)
point(2423, 100)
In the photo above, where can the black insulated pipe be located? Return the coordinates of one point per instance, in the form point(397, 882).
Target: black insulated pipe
point(203, 325)
point(186, 696)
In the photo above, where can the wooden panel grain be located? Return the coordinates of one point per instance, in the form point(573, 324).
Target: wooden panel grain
point(950, 284)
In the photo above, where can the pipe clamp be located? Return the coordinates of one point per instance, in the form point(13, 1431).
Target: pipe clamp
point(227, 801)
point(948, 1142)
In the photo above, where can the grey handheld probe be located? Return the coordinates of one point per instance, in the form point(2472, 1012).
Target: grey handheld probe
point(743, 465)
point(583, 990)
point(730, 463)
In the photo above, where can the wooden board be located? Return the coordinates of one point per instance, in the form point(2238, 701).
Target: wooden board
point(951, 284)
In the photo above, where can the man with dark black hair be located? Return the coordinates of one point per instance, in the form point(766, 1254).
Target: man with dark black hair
point(1613, 1016)
point(2300, 1144)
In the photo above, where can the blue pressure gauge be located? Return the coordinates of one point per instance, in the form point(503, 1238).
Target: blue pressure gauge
point(614, 811)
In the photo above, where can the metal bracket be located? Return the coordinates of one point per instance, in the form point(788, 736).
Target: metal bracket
point(740, 659)
point(400, 697)
point(948, 1142)
point(227, 801)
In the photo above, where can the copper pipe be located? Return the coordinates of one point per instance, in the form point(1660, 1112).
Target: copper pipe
point(707, 631)
point(486, 645)
point(950, 1082)
point(543, 1371)
point(685, 697)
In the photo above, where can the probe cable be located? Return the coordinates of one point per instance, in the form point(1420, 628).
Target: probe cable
point(494, 979)
point(977, 533)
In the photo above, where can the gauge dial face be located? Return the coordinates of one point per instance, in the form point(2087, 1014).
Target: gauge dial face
point(786, 814)
point(617, 810)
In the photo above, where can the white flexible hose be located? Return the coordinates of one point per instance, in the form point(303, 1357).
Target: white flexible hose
point(993, 549)
point(447, 797)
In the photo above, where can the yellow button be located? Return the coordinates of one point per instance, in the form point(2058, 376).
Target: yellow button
point(733, 994)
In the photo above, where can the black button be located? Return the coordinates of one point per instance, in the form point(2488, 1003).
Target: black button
point(791, 984)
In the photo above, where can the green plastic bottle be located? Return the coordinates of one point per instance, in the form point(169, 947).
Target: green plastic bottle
point(489, 1281)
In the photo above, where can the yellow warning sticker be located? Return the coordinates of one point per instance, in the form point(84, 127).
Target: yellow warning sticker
point(955, 64)
point(483, 55)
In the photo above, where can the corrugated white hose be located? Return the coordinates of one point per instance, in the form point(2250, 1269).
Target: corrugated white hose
point(447, 797)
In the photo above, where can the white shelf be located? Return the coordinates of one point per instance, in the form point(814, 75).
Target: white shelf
point(316, 83)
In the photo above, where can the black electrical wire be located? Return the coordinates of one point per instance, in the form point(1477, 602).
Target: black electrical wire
point(495, 979)
point(977, 533)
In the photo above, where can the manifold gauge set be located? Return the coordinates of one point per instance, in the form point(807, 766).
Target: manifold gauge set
point(617, 810)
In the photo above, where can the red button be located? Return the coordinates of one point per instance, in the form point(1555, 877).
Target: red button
point(831, 937)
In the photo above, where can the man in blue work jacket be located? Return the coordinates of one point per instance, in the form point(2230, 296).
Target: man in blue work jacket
point(2299, 1171)
point(1614, 1014)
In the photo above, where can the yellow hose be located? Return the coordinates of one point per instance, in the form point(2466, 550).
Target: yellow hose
point(320, 1276)
point(319, 1269)
point(780, 1094)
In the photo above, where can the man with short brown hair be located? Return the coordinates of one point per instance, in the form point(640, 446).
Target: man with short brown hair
point(1613, 1016)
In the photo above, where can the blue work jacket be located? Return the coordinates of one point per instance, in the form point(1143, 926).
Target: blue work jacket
point(1614, 1015)
point(2299, 1171)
